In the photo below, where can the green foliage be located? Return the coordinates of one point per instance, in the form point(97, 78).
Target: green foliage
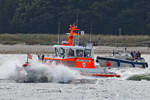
point(105, 16)
point(7, 9)
point(52, 39)
point(140, 77)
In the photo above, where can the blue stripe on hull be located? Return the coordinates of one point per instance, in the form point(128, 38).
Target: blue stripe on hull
point(119, 61)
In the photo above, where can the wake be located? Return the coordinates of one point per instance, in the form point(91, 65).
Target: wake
point(38, 72)
point(12, 70)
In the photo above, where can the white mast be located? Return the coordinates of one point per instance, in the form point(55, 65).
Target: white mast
point(58, 33)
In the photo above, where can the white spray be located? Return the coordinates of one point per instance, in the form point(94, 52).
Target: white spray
point(11, 68)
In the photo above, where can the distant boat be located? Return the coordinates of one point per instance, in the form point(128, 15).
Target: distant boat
point(122, 59)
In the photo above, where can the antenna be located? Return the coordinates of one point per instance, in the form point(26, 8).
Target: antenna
point(77, 17)
point(120, 31)
point(78, 38)
point(91, 26)
point(77, 22)
point(119, 34)
point(59, 23)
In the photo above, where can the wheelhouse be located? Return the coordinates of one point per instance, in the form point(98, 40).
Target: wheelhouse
point(73, 51)
point(73, 56)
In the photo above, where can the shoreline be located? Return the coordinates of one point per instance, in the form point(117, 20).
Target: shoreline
point(48, 49)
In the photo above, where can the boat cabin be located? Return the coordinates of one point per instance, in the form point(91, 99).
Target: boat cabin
point(73, 51)
point(73, 56)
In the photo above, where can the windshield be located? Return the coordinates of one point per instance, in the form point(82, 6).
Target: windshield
point(61, 52)
point(79, 53)
point(87, 53)
point(71, 53)
point(56, 52)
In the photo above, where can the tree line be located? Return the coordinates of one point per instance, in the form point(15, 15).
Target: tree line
point(96, 16)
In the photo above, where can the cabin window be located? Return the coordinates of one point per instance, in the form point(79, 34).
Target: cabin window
point(87, 53)
point(71, 53)
point(56, 52)
point(79, 53)
point(61, 52)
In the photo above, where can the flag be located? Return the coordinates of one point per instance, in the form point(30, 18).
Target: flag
point(29, 56)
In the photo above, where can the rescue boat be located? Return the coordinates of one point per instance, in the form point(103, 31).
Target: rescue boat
point(77, 57)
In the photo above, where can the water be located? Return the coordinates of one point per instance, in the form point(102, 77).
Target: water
point(103, 88)
point(129, 71)
point(51, 73)
point(11, 69)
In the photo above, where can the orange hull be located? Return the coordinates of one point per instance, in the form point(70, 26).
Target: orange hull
point(74, 62)
point(83, 63)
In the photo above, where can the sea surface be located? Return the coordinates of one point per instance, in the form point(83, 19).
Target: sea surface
point(65, 84)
